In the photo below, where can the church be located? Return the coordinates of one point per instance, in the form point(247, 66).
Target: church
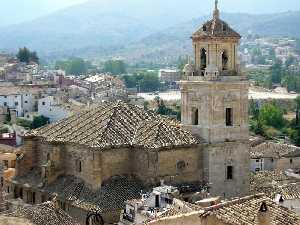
point(102, 157)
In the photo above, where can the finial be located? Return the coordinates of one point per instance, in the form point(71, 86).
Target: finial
point(216, 11)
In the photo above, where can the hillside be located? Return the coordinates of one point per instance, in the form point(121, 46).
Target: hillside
point(108, 28)
point(168, 44)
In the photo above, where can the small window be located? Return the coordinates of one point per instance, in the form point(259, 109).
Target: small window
point(229, 175)
point(204, 28)
point(257, 160)
point(272, 160)
point(8, 190)
point(16, 103)
point(33, 198)
point(5, 103)
point(291, 161)
point(43, 103)
point(26, 102)
point(79, 166)
point(229, 119)
point(2, 181)
point(48, 157)
point(195, 117)
point(5, 96)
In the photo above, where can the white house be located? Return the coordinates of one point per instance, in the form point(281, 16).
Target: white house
point(50, 107)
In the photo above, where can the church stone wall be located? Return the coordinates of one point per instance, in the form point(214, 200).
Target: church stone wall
point(211, 100)
point(180, 165)
point(217, 158)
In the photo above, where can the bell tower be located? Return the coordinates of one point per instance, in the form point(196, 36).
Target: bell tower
point(214, 106)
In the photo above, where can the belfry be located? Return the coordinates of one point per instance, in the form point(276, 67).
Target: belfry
point(214, 102)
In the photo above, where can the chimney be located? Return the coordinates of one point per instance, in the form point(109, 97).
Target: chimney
point(264, 217)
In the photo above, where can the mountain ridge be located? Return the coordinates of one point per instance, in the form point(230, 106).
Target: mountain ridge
point(89, 30)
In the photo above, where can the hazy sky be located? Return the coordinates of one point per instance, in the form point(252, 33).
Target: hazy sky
point(15, 11)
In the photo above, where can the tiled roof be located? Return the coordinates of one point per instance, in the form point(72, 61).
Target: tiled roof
point(110, 196)
point(270, 183)
point(273, 150)
point(216, 28)
point(44, 214)
point(117, 124)
point(246, 210)
point(290, 191)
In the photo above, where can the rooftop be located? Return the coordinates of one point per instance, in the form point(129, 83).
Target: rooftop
point(116, 125)
point(43, 214)
point(246, 211)
point(269, 182)
point(273, 150)
point(216, 28)
point(111, 196)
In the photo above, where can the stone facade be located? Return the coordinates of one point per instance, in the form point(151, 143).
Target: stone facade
point(215, 107)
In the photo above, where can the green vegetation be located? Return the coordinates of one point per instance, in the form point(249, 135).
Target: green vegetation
point(261, 77)
point(75, 66)
point(279, 74)
point(115, 67)
point(24, 123)
point(26, 56)
point(268, 121)
point(162, 109)
point(145, 81)
point(38, 121)
point(4, 130)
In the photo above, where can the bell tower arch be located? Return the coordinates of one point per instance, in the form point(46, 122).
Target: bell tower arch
point(214, 102)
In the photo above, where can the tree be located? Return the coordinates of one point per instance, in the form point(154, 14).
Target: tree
point(75, 66)
point(297, 100)
point(115, 67)
point(145, 80)
point(253, 109)
point(39, 121)
point(26, 56)
point(271, 114)
point(276, 71)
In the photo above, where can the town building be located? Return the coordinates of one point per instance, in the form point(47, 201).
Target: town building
point(160, 203)
point(169, 76)
point(52, 108)
point(251, 210)
point(99, 158)
point(274, 156)
point(214, 106)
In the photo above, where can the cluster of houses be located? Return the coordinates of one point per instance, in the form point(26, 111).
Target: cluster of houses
point(117, 163)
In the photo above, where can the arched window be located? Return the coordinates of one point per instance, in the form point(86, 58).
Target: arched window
point(203, 62)
point(224, 60)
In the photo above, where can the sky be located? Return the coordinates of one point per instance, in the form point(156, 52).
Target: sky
point(17, 11)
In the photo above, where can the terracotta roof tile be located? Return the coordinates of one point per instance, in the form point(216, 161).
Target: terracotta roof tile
point(44, 214)
point(245, 211)
point(117, 124)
